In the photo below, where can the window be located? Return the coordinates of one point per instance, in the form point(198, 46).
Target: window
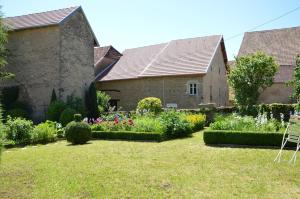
point(192, 87)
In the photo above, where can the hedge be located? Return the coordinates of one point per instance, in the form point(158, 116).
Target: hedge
point(126, 135)
point(243, 138)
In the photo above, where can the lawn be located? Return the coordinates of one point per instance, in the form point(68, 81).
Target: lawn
point(182, 168)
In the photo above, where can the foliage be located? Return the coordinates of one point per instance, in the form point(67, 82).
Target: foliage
point(17, 112)
point(67, 116)
point(250, 76)
point(78, 132)
point(77, 117)
point(176, 124)
point(76, 103)
point(246, 123)
point(296, 80)
point(127, 135)
point(44, 132)
point(148, 124)
point(1, 129)
point(277, 111)
point(19, 130)
point(9, 95)
point(91, 102)
point(3, 51)
point(242, 138)
point(197, 121)
point(149, 105)
point(53, 96)
point(102, 101)
point(55, 109)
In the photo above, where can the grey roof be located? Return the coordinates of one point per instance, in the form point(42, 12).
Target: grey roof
point(109, 51)
point(177, 57)
point(42, 19)
point(282, 44)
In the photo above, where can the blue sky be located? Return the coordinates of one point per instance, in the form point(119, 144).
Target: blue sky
point(133, 23)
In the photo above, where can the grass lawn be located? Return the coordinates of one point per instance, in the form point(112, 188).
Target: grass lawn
point(183, 168)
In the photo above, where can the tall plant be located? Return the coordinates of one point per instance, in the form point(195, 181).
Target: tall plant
point(91, 101)
point(252, 74)
point(296, 81)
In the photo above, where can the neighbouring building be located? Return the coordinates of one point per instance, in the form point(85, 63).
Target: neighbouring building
point(283, 45)
point(50, 50)
point(182, 73)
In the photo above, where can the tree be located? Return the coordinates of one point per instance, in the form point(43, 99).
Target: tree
point(296, 80)
point(3, 51)
point(252, 74)
point(91, 101)
point(102, 101)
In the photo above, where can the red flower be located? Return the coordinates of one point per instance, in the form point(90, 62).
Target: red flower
point(116, 120)
point(130, 122)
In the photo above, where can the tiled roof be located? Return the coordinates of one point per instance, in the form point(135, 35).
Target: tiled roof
point(283, 44)
point(100, 52)
point(177, 57)
point(42, 19)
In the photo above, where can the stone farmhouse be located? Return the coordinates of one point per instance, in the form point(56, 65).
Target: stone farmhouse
point(283, 45)
point(50, 50)
point(182, 73)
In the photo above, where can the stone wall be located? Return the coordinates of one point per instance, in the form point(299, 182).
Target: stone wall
point(215, 81)
point(168, 89)
point(34, 59)
point(76, 56)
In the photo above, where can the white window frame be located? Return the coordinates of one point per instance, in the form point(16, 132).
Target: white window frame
point(192, 85)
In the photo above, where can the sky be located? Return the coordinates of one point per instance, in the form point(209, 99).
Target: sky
point(134, 23)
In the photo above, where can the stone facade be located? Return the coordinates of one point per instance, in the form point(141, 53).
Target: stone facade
point(277, 93)
point(172, 89)
point(57, 57)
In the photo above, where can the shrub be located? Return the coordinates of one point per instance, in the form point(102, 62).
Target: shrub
point(127, 135)
point(242, 138)
point(77, 117)
point(175, 124)
point(276, 109)
point(76, 103)
point(197, 121)
point(67, 116)
point(148, 124)
point(102, 101)
point(17, 112)
point(44, 132)
point(149, 105)
point(78, 132)
point(53, 96)
point(91, 101)
point(19, 130)
point(9, 95)
point(1, 130)
point(55, 109)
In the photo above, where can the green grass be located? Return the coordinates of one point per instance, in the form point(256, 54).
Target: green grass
point(183, 168)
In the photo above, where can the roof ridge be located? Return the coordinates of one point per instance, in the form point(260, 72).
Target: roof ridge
point(273, 30)
point(75, 7)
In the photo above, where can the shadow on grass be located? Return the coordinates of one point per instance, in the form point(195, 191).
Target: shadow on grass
point(248, 146)
point(71, 144)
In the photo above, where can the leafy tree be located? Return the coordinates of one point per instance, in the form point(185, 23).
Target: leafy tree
point(102, 100)
point(296, 80)
point(252, 74)
point(3, 51)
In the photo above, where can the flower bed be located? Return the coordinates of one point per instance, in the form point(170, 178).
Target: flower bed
point(127, 135)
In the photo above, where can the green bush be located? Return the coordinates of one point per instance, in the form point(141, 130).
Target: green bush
point(197, 121)
point(19, 130)
point(67, 116)
point(91, 101)
point(148, 124)
point(276, 109)
point(9, 95)
point(102, 101)
point(1, 130)
point(17, 112)
point(55, 109)
point(44, 133)
point(149, 105)
point(78, 132)
point(176, 124)
point(242, 138)
point(77, 117)
point(127, 135)
point(76, 103)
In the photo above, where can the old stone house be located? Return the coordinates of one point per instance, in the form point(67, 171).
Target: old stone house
point(182, 73)
point(50, 50)
point(283, 45)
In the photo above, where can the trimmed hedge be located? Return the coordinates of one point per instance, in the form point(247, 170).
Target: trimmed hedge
point(126, 135)
point(243, 138)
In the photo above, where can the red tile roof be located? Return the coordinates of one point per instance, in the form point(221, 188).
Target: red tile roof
point(177, 57)
point(42, 19)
